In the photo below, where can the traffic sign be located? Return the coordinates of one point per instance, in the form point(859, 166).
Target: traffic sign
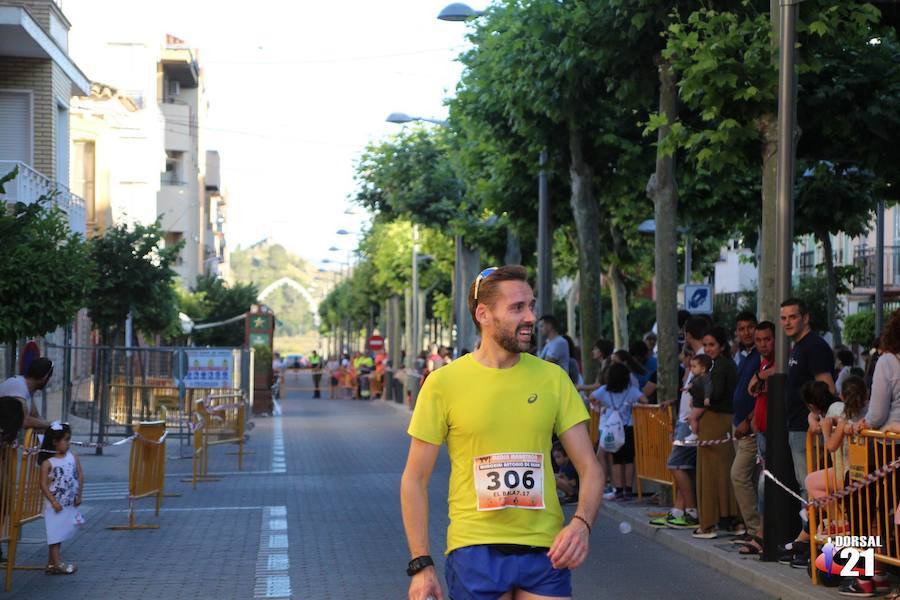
point(698, 299)
point(375, 343)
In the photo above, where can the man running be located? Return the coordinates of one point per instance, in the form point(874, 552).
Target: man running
point(497, 410)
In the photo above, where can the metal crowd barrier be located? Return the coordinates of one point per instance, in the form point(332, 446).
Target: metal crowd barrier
point(22, 497)
point(868, 508)
point(146, 470)
point(652, 443)
point(219, 416)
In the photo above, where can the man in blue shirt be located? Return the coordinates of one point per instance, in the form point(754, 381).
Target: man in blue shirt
point(743, 469)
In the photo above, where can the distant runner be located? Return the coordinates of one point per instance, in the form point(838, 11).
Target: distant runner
point(497, 409)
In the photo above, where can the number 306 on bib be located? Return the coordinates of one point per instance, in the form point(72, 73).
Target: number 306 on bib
point(509, 480)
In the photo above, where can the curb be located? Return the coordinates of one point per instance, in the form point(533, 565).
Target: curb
point(774, 579)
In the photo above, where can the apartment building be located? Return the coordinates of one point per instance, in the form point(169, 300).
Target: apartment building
point(735, 273)
point(37, 80)
point(182, 195)
point(215, 220)
point(117, 157)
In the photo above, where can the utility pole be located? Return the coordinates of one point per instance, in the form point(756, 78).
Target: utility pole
point(544, 247)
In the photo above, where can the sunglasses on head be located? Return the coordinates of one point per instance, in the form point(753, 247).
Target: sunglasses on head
point(481, 277)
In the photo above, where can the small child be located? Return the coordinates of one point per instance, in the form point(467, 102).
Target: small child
point(62, 482)
point(834, 421)
point(701, 388)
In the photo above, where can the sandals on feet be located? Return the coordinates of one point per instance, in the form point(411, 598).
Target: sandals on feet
point(61, 569)
point(752, 547)
point(705, 535)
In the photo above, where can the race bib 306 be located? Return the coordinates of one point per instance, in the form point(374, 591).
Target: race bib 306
point(510, 480)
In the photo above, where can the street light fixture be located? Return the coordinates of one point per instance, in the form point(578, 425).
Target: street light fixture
point(401, 118)
point(458, 12)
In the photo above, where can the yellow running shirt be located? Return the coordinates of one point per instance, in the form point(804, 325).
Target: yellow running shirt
point(498, 425)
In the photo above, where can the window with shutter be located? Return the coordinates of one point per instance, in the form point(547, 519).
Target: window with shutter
point(15, 126)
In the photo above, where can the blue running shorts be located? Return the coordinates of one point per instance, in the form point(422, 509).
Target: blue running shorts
point(486, 573)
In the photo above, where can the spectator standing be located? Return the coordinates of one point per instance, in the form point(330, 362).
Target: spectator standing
point(743, 469)
point(715, 493)
point(811, 359)
point(682, 460)
point(650, 340)
point(315, 364)
point(644, 357)
point(556, 348)
point(601, 353)
point(35, 379)
point(745, 327)
point(764, 340)
point(845, 362)
point(574, 366)
point(884, 401)
point(435, 360)
point(620, 396)
point(637, 369)
point(333, 368)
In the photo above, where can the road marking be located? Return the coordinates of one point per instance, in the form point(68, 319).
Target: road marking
point(105, 490)
point(273, 563)
point(223, 473)
point(195, 509)
point(279, 461)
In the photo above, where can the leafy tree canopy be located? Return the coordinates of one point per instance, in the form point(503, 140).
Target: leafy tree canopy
point(45, 273)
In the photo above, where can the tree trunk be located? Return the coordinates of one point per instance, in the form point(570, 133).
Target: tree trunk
point(513, 255)
point(571, 302)
point(586, 214)
point(619, 307)
point(664, 193)
point(831, 287)
point(767, 261)
point(470, 265)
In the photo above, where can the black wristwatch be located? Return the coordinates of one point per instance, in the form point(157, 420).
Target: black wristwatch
point(418, 564)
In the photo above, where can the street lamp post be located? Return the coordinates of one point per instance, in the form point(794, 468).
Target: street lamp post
point(414, 307)
point(544, 248)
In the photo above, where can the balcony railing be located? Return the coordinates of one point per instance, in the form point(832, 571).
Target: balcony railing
point(807, 264)
point(30, 185)
point(864, 261)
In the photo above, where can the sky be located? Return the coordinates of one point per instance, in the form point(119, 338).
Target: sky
point(296, 89)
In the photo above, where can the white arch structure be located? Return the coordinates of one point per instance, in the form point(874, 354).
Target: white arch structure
point(313, 305)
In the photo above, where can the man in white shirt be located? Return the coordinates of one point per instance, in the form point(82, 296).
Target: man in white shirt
point(36, 378)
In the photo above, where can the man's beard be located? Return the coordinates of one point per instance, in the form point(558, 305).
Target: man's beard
point(509, 341)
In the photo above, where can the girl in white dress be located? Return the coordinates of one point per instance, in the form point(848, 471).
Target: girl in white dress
point(62, 482)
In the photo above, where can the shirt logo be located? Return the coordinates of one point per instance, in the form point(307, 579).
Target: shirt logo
point(532, 399)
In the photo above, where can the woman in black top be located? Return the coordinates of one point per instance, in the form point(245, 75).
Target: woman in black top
point(716, 495)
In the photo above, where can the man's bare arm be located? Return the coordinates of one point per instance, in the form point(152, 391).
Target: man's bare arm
point(414, 505)
point(570, 548)
point(414, 494)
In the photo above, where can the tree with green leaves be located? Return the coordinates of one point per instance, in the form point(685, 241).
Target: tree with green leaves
point(132, 270)
point(539, 69)
point(834, 198)
point(45, 274)
point(220, 303)
point(724, 60)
